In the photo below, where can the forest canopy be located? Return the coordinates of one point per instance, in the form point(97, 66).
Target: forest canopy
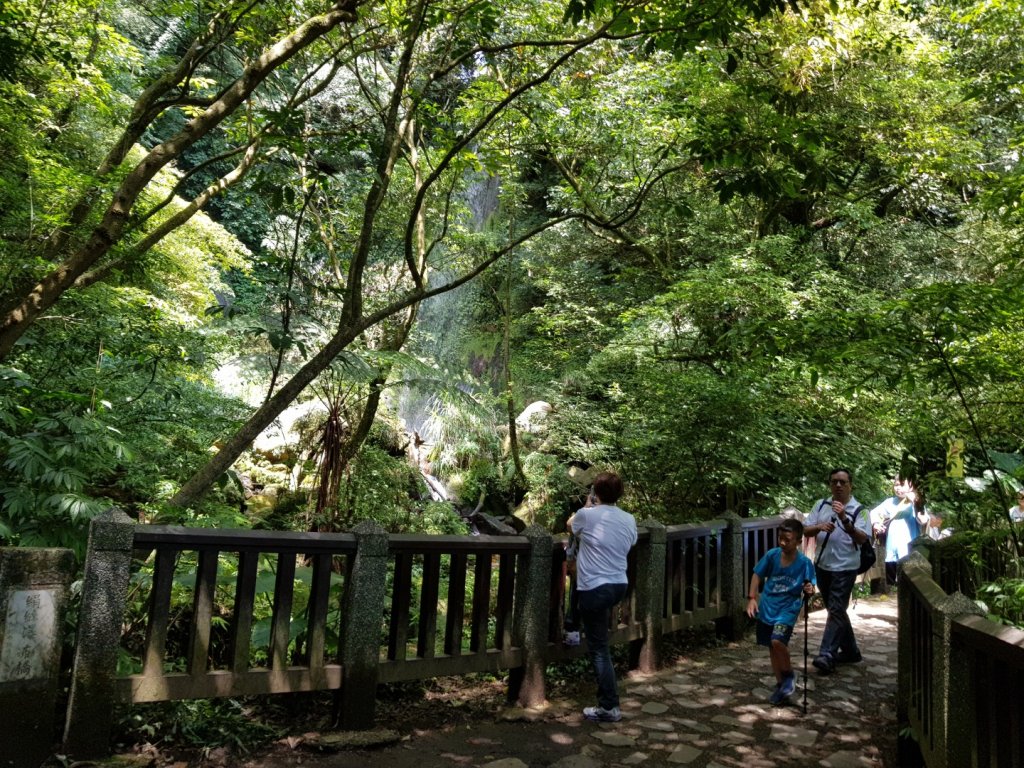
point(723, 249)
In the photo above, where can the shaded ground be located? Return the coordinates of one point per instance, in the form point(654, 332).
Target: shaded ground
point(708, 709)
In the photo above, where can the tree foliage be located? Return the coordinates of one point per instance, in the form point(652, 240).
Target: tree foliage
point(739, 244)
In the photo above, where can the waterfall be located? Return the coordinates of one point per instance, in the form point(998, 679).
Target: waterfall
point(440, 327)
point(165, 38)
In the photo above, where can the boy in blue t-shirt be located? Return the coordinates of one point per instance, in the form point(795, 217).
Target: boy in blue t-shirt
point(788, 575)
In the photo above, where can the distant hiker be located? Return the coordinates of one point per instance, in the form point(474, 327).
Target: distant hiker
point(605, 534)
point(788, 575)
point(895, 524)
point(1017, 511)
point(841, 522)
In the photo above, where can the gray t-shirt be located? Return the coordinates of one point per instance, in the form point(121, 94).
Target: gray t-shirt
point(606, 534)
point(841, 553)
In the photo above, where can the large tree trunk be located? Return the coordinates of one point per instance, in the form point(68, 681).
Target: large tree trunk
point(173, 222)
point(264, 416)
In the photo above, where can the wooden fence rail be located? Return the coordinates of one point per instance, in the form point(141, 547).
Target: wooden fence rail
point(344, 612)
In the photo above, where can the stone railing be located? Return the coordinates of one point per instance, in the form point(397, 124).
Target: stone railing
point(960, 695)
point(344, 612)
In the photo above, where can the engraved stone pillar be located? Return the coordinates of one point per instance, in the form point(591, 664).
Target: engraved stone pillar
point(33, 596)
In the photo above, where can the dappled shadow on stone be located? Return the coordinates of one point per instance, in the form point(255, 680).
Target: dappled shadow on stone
point(707, 709)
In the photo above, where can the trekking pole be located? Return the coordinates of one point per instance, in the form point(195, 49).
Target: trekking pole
point(807, 610)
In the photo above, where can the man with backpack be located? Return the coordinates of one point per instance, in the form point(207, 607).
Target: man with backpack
point(840, 525)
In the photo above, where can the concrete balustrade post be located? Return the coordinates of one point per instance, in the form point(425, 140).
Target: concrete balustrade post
point(33, 597)
point(944, 690)
point(105, 592)
point(650, 595)
point(961, 732)
point(927, 548)
point(734, 578)
point(360, 640)
point(530, 619)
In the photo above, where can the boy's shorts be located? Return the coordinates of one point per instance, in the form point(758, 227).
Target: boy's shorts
point(768, 632)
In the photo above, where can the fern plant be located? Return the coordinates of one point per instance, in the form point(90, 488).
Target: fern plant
point(50, 457)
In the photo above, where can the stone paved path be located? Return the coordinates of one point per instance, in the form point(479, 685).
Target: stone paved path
point(708, 710)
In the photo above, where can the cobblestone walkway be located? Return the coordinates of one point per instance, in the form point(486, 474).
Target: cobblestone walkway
point(708, 710)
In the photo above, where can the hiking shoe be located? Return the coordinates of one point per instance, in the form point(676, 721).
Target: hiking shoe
point(787, 688)
point(824, 664)
point(776, 697)
point(848, 658)
point(602, 715)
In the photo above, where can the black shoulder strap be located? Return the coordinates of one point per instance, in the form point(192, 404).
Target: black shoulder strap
point(829, 534)
point(853, 520)
point(821, 549)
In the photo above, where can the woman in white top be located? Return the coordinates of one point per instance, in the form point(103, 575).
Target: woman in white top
point(605, 534)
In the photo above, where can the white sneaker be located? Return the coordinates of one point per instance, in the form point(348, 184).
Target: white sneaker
point(602, 715)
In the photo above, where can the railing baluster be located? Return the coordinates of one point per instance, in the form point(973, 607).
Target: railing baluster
point(159, 612)
point(456, 604)
point(281, 622)
point(481, 602)
point(316, 615)
point(202, 612)
point(628, 607)
point(691, 574)
point(241, 623)
point(719, 554)
point(695, 567)
point(401, 598)
point(705, 542)
point(676, 575)
point(428, 606)
point(506, 589)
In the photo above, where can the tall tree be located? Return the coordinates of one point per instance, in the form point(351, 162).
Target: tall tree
point(428, 83)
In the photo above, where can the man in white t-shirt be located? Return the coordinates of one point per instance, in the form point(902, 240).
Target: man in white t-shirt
point(605, 534)
point(840, 526)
